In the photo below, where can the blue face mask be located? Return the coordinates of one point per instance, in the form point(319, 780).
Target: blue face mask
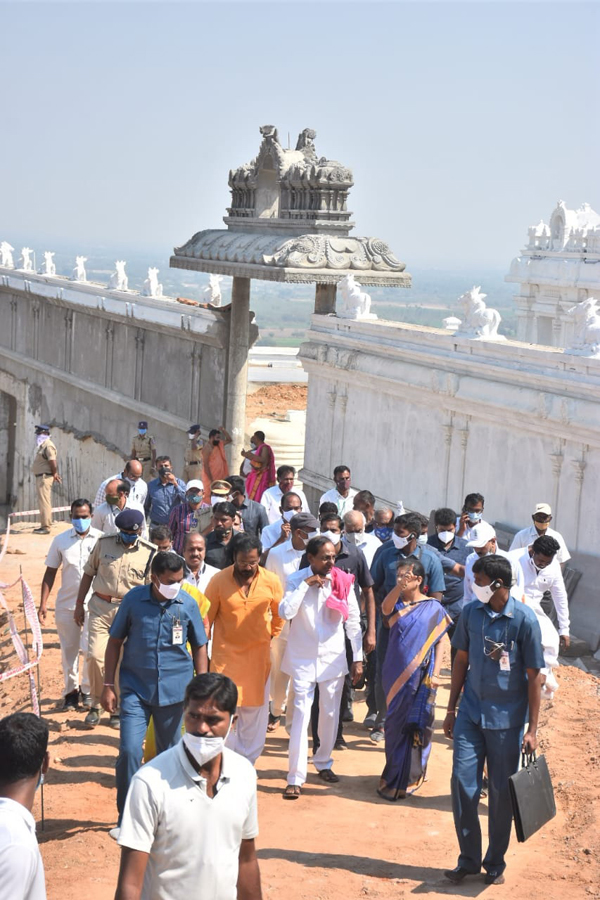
point(142, 431)
point(475, 517)
point(81, 525)
point(128, 538)
point(384, 533)
point(194, 498)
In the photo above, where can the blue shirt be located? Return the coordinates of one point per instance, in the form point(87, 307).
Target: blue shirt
point(385, 563)
point(493, 698)
point(153, 667)
point(160, 499)
point(454, 591)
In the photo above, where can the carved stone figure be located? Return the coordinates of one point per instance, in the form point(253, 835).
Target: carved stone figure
point(118, 280)
point(586, 337)
point(151, 287)
point(49, 267)
point(6, 257)
point(26, 260)
point(480, 321)
point(213, 289)
point(79, 273)
point(356, 303)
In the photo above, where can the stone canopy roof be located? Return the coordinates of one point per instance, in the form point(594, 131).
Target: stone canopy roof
point(288, 221)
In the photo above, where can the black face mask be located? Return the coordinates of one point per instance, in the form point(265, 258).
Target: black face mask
point(216, 441)
point(221, 532)
point(164, 470)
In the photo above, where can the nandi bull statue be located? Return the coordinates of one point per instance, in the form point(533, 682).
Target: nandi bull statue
point(586, 336)
point(6, 257)
point(118, 281)
point(480, 322)
point(79, 273)
point(151, 286)
point(356, 304)
point(26, 260)
point(49, 267)
point(213, 289)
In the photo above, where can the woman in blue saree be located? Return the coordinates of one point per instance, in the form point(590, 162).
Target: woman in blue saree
point(410, 679)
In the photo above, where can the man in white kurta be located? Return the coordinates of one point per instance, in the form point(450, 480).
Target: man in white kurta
point(271, 499)
point(316, 654)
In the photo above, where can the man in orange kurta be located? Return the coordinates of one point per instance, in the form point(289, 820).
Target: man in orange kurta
point(244, 612)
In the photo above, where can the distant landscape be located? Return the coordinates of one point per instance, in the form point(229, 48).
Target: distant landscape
point(283, 311)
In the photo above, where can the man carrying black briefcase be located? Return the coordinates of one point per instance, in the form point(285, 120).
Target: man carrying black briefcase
point(498, 661)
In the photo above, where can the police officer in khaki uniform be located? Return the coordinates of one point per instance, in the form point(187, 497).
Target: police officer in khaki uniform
point(192, 458)
point(45, 469)
point(118, 563)
point(144, 450)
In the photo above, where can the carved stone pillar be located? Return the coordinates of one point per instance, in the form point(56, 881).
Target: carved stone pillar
point(448, 430)
point(109, 347)
point(237, 369)
point(35, 307)
point(140, 339)
point(464, 439)
point(325, 296)
point(13, 323)
point(68, 340)
point(579, 466)
point(557, 460)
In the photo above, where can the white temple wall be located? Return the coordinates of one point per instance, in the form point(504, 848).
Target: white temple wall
point(426, 417)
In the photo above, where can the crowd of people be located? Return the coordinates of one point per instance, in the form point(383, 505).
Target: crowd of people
point(211, 611)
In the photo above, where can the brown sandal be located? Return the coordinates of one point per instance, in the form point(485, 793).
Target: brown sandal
point(292, 792)
point(329, 776)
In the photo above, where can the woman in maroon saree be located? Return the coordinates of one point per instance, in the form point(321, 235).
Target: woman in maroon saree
point(410, 679)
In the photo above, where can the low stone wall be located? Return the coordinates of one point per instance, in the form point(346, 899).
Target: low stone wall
point(425, 416)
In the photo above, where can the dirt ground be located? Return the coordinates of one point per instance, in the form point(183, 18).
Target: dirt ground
point(335, 842)
point(275, 400)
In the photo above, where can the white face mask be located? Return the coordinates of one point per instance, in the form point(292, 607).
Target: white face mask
point(168, 591)
point(355, 537)
point(400, 542)
point(332, 536)
point(204, 748)
point(191, 436)
point(422, 539)
point(214, 499)
point(40, 438)
point(445, 536)
point(483, 593)
point(289, 514)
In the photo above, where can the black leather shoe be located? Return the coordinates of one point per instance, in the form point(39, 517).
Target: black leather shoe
point(494, 878)
point(456, 875)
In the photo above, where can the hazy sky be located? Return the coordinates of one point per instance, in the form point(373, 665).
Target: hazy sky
point(463, 122)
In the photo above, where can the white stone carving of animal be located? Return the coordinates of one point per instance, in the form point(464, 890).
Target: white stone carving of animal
point(151, 287)
point(586, 336)
point(79, 273)
point(118, 280)
point(213, 289)
point(479, 319)
point(26, 261)
point(6, 257)
point(356, 303)
point(49, 267)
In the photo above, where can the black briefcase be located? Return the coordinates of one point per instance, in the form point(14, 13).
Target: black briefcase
point(532, 796)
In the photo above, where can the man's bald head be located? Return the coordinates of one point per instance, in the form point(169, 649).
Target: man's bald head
point(133, 469)
point(112, 486)
point(354, 521)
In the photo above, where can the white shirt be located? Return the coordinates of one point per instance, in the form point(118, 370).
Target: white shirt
point(205, 573)
point(138, 492)
point(193, 841)
point(517, 586)
point(21, 866)
point(72, 552)
point(271, 534)
point(271, 500)
point(535, 583)
point(344, 504)
point(316, 647)
point(369, 544)
point(104, 517)
point(527, 536)
point(284, 561)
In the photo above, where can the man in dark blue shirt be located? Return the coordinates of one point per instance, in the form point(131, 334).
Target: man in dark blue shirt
point(154, 624)
point(403, 543)
point(498, 661)
point(453, 552)
point(163, 493)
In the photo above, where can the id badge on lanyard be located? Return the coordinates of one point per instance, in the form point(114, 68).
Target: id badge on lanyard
point(177, 632)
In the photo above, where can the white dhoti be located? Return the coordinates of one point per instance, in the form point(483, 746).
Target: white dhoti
point(249, 731)
point(330, 695)
point(279, 679)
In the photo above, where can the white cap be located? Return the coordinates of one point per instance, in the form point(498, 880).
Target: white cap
point(482, 533)
point(543, 509)
point(194, 483)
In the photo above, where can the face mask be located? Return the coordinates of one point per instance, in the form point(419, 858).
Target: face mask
point(355, 537)
point(168, 591)
point(214, 499)
point(81, 525)
point(112, 501)
point(483, 593)
point(142, 431)
point(191, 436)
point(164, 470)
point(194, 498)
point(222, 532)
point(253, 445)
point(203, 748)
point(289, 514)
point(475, 517)
point(445, 536)
point(422, 539)
point(128, 538)
point(332, 536)
point(400, 542)
point(384, 532)
point(216, 441)
point(41, 438)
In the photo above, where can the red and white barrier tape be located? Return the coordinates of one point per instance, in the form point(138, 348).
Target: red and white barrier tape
point(31, 512)
point(26, 664)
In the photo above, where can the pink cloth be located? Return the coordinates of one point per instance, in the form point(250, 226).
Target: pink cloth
point(341, 585)
point(259, 480)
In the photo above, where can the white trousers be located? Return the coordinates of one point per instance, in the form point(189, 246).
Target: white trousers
point(73, 639)
point(330, 696)
point(279, 679)
point(249, 731)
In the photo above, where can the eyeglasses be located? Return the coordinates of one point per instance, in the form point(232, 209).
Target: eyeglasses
point(542, 519)
point(494, 649)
